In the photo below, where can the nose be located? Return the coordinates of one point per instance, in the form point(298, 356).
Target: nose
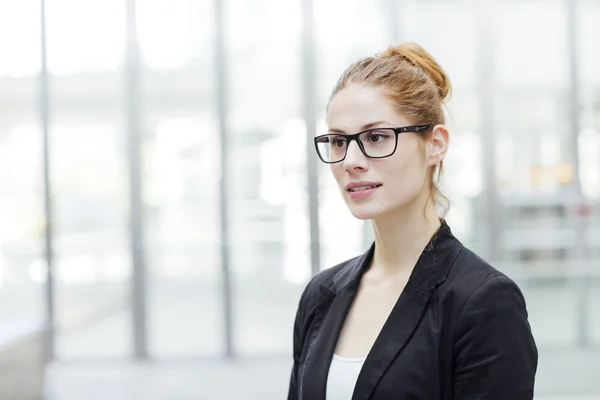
point(355, 159)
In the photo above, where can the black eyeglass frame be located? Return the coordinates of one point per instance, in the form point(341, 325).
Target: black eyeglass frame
point(354, 136)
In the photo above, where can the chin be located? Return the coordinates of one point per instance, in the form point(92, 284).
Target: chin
point(365, 212)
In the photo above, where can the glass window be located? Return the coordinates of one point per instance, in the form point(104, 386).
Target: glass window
point(589, 140)
point(181, 180)
point(84, 36)
point(589, 86)
point(89, 177)
point(174, 33)
point(20, 57)
point(267, 179)
point(23, 269)
point(182, 232)
point(531, 51)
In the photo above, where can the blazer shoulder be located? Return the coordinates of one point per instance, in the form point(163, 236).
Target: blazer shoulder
point(469, 273)
point(474, 287)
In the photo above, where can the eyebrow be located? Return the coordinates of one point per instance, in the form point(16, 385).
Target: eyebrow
point(362, 128)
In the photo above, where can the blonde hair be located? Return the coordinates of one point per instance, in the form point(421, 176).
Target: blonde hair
point(416, 85)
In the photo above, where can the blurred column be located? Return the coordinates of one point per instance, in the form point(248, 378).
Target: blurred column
point(44, 114)
point(581, 251)
point(485, 10)
point(574, 104)
point(223, 109)
point(134, 132)
point(309, 80)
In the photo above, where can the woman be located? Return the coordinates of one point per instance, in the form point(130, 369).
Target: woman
point(418, 316)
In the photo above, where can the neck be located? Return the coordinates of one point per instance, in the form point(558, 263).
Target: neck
point(401, 238)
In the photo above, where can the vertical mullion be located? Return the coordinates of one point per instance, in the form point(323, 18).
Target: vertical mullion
point(581, 248)
point(222, 113)
point(49, 254)
point(309, 79)
point(487, 95)
point(133, 117)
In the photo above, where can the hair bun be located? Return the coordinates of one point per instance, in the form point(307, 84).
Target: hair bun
point(417, 56)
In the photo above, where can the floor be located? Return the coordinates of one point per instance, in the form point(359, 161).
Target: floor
point(563, 374)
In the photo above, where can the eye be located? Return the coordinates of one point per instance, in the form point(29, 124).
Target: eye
point(377, 137)
point(338, 141)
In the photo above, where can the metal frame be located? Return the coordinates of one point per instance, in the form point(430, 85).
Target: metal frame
point(222, 112)
point(49, 251)
point(487, 94)
point(134, 133)
point(309, 97)
point(582, 248)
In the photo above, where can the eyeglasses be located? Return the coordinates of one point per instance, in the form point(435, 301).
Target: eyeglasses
point(374, 143)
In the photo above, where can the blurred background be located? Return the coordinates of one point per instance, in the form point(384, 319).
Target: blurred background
point(162, 208)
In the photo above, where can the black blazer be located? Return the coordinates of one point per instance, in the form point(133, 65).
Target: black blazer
point(459, 330)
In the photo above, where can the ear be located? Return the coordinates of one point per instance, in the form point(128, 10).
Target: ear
point(440, 139)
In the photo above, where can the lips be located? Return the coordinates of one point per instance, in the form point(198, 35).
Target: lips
point(361, 188)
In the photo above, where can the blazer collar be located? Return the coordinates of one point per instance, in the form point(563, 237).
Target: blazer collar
point(334, 301)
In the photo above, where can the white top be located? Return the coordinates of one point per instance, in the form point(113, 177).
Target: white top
point(343, 373)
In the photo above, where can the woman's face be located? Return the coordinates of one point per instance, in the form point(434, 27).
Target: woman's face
point(402, 179)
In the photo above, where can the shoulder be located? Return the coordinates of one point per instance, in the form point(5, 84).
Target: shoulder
point(474, 283)
point(491, 338)
point(470, 273)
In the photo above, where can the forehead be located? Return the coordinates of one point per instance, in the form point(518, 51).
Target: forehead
point(358, 105)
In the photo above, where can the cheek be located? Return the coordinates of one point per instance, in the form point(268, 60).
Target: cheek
point(407, 171)
point(336, 171)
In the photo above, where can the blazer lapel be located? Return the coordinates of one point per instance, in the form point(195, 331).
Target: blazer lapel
point(396, 331)
point(330, 313)
point(333, 302)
